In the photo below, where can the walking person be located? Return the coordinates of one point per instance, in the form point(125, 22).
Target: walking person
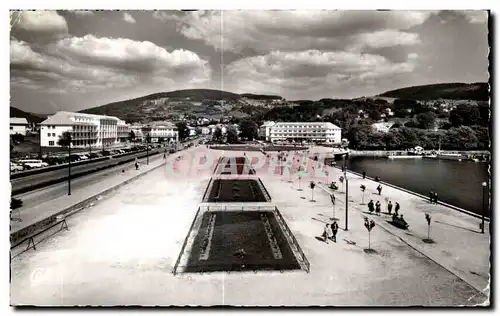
point(327, 234)
point(371, 207)
point(379, 189)
point(435, 198)
point(389, 207)
point(335, 229)
point(364, 175)
point(431, 196)
point(396, 209)
point(377, 208)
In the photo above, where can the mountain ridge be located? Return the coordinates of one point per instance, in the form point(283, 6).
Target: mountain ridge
point(477, 91)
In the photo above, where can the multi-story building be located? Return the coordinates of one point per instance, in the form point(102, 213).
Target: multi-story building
point(123, 132)
point(318, 132)
point(138, 135)
point(18, 125)
point(161, 132)
point(87, 130)
point(265, 130)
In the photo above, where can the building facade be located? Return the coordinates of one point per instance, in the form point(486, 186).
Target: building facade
point(318, 132)
point(265, 130)
point(160, 132)
point(18, 125)
point(87, 130)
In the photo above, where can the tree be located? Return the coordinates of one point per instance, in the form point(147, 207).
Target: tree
point(369, 226)
point(426, 120)
point(65, 139)
point(232, 135)
point(217, 134)
point(17, 138)
point(131, 136)
point(428, 219)
point(249, 129)
point(183, 130)
point(375, 115)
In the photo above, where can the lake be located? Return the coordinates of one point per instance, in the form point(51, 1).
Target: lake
point(457, 182)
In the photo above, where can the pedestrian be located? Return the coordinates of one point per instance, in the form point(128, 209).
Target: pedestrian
point(327, 234)
point(335, 229)
point(396, 209)
point(389, 207)
point(377, 208)
point(431, 196)
point(370, 206)
point(435, 198)
point(364, 175)
point(136, 165)
point(164, 156)
point(379, 189)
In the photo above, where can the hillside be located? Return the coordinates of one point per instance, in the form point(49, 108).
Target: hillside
point(453, 91)
point(31, 117)
point(194, 102)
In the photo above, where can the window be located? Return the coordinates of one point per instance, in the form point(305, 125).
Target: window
point(48, 134)
point(53, 134)
point(51, 143)
point(11, 128)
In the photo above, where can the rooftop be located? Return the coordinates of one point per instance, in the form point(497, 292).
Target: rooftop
point(18, 120)
point(323, 124)
point(67, 118)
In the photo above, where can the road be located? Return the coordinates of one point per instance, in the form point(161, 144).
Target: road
point(36, 181)
point(51, 192)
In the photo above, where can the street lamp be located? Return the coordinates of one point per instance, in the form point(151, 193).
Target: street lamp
point(346, 195)
point(147, 149)
point(69, 163)
point(484, 184)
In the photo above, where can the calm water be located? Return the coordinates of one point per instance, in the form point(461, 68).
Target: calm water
point(457, 183)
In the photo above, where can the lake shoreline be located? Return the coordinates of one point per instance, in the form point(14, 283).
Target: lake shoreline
point(385, 153)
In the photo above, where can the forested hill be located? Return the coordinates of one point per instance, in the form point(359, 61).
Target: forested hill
point(454, 91)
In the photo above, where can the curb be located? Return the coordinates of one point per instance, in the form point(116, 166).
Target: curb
point(73, 209)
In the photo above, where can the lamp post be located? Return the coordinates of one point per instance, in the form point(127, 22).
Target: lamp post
point(484, 184)
point(147, 149)
point(346, 195)
point(69, 163)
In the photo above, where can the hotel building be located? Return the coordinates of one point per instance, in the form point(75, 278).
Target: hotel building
point(318, 132)
point(87, 130)
point(161, 132)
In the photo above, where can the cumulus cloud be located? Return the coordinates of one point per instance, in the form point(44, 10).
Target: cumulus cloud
point(128, 18)
point(311, 70)
point(87, 63)
point(39, 22)
point(476, 16)
point(82, 13)
point(264, 31)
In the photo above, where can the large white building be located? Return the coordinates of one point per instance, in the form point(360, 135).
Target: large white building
point(319, 132)
point(265, 130)
point(18, 125)
point(86, 130)
point(161, 132)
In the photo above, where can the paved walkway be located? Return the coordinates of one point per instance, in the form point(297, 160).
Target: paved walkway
point(27, 216)
point(123, 250)
point(459, 245)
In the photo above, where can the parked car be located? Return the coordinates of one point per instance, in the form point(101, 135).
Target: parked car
point(15, 167)
point(83, 157)
point(33, 163)
point(93, 156)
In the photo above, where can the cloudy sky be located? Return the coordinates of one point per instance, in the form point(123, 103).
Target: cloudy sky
point(74, 60)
